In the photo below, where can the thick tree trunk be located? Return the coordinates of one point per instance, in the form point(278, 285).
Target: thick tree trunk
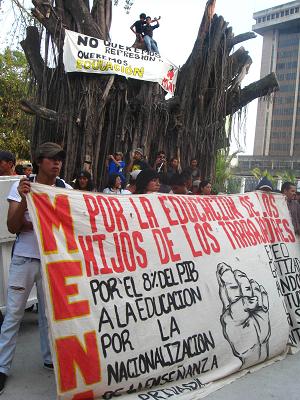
point(92, 116)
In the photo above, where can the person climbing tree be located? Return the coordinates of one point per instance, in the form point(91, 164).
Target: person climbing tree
point(138, 27)
point(148, 35)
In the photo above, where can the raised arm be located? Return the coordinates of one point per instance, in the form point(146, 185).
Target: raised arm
point(16, 210)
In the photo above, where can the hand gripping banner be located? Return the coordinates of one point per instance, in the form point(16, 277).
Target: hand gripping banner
point(91, 55)
point(154, 296)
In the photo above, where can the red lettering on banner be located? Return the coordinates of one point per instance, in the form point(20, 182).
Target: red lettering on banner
point(165, 245)
point(60, 292)
point(118, 213)
point(111, 211)
point(57, 215)
point(163, 200)
point(88, 254)
point(151, 217)
point(151, 221)
point(84, 396)
point(248, 205)
point(93, 210)
point(105, 269)
point(291, 235)
point(71, 354)
point(142, 258)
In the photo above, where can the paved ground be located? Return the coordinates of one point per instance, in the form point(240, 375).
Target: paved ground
point(29, 381)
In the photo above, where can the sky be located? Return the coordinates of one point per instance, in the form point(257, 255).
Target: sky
point(176, 35)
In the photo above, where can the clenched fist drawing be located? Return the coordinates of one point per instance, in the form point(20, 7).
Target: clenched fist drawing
point(245, 317)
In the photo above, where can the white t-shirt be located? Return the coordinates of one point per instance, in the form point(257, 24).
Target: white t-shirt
point(26, 243)
point(121, 191)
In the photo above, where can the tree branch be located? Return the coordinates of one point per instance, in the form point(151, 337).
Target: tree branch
point(263, 87)
point(102, 14)
point(31, 47)
point(83, 18)
point(34, 109)
point(46, 15)
point(240, 38)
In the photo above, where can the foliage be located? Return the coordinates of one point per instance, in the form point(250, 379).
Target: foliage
point(258, 173)
point(14, 85)
point(223, 172)
point(287, 176)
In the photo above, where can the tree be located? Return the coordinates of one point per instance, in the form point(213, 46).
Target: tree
point(14, 84)
point(94, 115)
point(223, 172)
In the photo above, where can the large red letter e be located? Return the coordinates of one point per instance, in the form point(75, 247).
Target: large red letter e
point(60, 292)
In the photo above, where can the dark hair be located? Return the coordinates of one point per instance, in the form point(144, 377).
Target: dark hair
point(112, 180)
point(90, 185)
point(148, 17)
point(203, 184)
point(143, 15)
point(286, 186)
point(194, 159)
point(178, 180)
point(143, 178)
point(19, 169)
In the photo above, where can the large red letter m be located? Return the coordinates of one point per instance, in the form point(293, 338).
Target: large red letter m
point(57, 215)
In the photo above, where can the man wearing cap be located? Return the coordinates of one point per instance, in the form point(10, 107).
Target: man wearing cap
point(25, 264)
point(137, 162)
point(7, 163)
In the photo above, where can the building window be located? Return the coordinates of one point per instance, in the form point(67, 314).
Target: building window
point(282, 14)
point(258, 20)
point(273, 16)
point(277, 15)
point(268, 17)
point(296, 9)
point(287, 12)
point(292, 10)
point(264, 19)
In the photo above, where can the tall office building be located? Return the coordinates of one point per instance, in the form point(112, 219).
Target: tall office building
point(277, 134)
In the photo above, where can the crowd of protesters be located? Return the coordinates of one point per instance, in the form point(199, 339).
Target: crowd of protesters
point(137, 177)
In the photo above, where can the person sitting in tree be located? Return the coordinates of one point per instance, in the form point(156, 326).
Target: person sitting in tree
point(148, 35)
point(137, 27)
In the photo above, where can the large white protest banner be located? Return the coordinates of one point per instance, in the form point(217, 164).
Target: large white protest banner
point(154, 296)
point(91, 55)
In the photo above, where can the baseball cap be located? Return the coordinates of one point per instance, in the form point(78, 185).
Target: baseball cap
point(7, 156)
point(50, 150)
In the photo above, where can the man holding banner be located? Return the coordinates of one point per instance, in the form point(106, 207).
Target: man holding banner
point(25, 265)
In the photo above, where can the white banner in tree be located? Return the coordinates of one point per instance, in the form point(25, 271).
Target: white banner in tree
point(91, 55)
point(154, 296)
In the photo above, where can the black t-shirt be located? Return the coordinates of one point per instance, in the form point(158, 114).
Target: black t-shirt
point(139, 165)
point(148, 29)
point(139, 26)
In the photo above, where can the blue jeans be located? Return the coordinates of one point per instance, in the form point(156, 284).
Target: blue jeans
point(23, 273)
point(150, 44)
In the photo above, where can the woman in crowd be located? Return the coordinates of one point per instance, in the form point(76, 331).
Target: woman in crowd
point(114, 185)
point(84, 182)
point(205, 188)
point(147, 182)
